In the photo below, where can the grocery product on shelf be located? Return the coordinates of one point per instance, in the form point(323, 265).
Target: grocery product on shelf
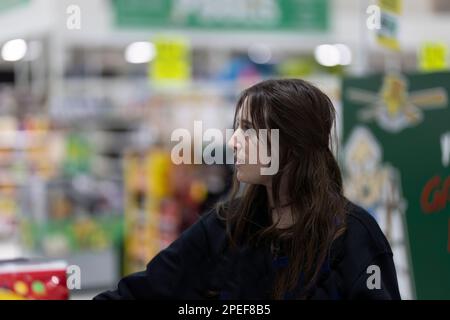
point(32, 280)
point(24, 151)
point(161, 201)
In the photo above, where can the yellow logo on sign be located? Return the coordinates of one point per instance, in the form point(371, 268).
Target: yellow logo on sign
point(394, 107)
point(394, 94)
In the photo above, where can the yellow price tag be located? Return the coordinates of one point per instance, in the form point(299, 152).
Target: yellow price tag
point(387, 36)
point(433, 57)
point(172, 62)
point(394, 6)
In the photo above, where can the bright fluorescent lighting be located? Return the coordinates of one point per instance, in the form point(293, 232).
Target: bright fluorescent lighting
point(140, 52)
point(259, 53)
point(327, 55)
point(14, 50)
point(345, 54)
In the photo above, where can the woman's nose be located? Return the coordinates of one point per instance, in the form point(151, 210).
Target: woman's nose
point(234, 143)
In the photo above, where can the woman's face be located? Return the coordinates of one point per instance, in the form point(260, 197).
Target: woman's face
point(244, 142)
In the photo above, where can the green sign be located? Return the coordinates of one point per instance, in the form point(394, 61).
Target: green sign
point(304, 15)
point(8, 4)
point(396, 164)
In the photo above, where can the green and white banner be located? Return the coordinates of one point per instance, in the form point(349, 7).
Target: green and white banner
point(304, 15)
point(8, 4)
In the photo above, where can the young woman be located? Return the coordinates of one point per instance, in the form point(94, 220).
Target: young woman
point(289, 235)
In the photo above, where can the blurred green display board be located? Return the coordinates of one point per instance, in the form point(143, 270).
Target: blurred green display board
point(8, 4)
point(65, 236)
point(307, 15)
point(396, 136)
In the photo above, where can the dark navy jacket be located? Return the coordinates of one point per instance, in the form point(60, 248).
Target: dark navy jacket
point(199, 265)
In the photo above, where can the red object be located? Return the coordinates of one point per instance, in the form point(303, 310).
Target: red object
point(34, 281)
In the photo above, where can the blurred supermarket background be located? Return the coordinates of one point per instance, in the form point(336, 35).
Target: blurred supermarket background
point(90, 91)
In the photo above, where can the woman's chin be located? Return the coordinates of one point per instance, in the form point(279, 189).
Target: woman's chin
point(249, 174)
point(240, 176)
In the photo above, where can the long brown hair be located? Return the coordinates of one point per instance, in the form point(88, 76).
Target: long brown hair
point(305, 117)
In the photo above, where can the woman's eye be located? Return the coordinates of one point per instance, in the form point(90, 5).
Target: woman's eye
point(245, 127)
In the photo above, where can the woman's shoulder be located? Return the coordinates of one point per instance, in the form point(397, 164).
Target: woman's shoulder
point(361, 246)
point(213, 222)
point(362, 242)
point(212, 225)
point(216, 216)
point(363, 229)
